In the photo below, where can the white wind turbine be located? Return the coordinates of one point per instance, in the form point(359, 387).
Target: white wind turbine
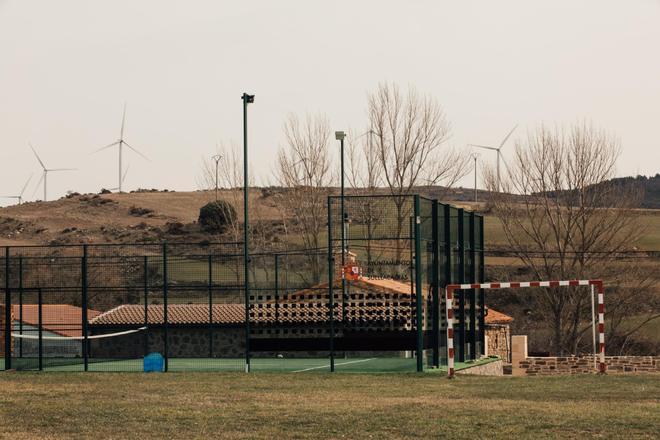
point(122, 180)
point(44, 176)
point(120, 143)
point(499, 152)
point(20, 196)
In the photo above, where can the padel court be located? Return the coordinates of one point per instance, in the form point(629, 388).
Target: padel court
point(265, 365)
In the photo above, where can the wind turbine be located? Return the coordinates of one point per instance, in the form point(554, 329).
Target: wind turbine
point(122, 179)
point(499, 152)
point(44, 176)
point(20, 196)
point(121, 142)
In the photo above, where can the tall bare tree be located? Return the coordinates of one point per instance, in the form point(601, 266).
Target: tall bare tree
point(564, 220)
point(230, 183)
point(364, 176)
point(409, 132)
point(304, 169)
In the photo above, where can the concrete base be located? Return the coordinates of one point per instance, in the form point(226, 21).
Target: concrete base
point(495, 368)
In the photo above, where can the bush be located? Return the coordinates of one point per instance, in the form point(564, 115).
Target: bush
point(216, 216)
point(139, 212)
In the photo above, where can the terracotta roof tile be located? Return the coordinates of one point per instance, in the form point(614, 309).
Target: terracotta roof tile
point(133, 314)
point(495, 317)
point(62, 319)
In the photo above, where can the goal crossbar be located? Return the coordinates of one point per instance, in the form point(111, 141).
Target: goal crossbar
point(449, 297)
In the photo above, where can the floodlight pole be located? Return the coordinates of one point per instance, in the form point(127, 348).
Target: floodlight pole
point(247, 99)
point(475, 156)
point(340, 136)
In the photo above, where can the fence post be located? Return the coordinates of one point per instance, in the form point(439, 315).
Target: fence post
point(461, 279)
point(331, 295)
point(20, 306)
point(40, 321)
point(277, 289)
point(434, 285)
point(473, 292)
point(165, 288)
point(84, 310)
point(210, 289)
point(482, 292)
point(7, 313)
point(145, 286)
point(418, 287)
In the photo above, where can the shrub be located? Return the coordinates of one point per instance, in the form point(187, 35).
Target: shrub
point(216, 216)
point(138, 212)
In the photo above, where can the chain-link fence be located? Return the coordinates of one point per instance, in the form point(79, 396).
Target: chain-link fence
point(370, 301)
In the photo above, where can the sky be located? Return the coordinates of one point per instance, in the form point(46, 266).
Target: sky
point(67, 68)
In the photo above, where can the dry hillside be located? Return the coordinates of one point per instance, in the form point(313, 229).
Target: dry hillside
point(117, 218)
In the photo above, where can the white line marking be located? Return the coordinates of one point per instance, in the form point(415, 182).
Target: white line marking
point(341, 363)
point(564, 283)
point(505, 285)
point(584, 282)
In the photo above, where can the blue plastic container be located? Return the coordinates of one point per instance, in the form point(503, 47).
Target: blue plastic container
point(154, 362)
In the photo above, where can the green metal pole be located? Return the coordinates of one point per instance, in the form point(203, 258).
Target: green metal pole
point(331, 300)
point(165, 291)
point(418, 287)
point(20, 305)
point(210, 289)
point(343, 236)
point(435, 285)
point(473, 292)
point(448, 259)
point(40, 302)
point(146, 303)
point(277, 289)
point(482, 292)
point(461, 293)
point(7, 313)
point(85, 329)
point(246, 256)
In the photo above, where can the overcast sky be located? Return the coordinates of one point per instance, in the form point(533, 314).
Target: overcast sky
point(67, 67)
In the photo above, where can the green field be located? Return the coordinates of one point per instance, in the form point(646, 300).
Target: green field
point(362, 406)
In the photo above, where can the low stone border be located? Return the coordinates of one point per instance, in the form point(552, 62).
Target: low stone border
point(545, 366)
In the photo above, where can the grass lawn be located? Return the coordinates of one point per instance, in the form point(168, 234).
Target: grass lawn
point(236, 405)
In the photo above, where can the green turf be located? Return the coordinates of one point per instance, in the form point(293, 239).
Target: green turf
point(271, 365)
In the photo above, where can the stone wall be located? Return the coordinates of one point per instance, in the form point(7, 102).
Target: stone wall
point(182, 342)
point(544, 366)
point(497, 340)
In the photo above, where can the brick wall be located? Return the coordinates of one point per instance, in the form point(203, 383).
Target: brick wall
point(544, 366)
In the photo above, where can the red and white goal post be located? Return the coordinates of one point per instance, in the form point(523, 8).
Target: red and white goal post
point(449, 295)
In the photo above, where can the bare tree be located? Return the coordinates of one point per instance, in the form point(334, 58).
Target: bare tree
point(230, 181)
point(564, 220)
point(364, 177)
point(409, 132)
point(304, 169)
